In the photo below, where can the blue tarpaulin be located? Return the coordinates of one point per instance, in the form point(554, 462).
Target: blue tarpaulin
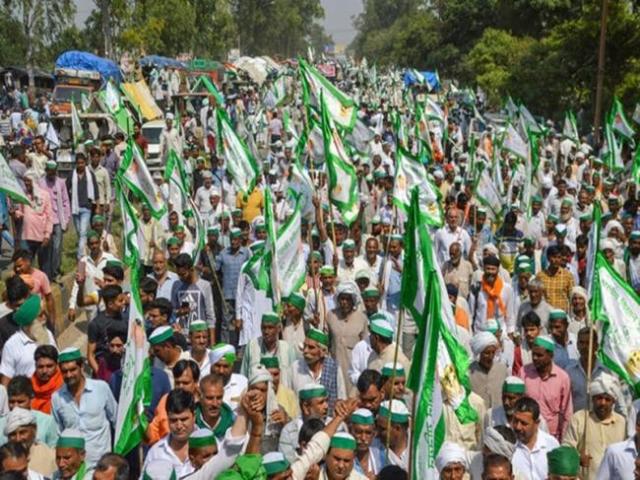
point(158, 61)
point(412, 77)
point(88, 61)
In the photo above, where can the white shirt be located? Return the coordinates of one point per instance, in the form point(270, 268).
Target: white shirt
point(163, 451)
point(233, 390)
point(533, 463)
point(478, 309)
point(348, 273)
point(618, 462)
point(17, 355)
point(301, 375)
point(445, 237)
point(359, 359)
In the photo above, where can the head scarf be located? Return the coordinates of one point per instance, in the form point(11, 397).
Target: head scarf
point(350, 288)
point(451, 453)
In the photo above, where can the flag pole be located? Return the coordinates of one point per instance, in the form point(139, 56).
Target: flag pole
point(393, 378)
point(585, 433)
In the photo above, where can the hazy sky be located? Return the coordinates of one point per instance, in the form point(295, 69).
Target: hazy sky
point(337, 21)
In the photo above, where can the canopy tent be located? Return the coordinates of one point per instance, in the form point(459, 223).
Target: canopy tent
point(88, 61)
point(159, 61)
point(412, 77)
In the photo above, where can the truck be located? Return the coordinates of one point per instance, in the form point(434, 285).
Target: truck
point(71, 85)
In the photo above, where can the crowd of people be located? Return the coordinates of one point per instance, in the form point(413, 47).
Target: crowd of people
point(315, 386)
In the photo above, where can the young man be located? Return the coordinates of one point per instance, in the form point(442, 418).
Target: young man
point(83, 194)
point(46, 379)
point(393, 426)
point(109, 319)
point(223, 359)
point(166, 350)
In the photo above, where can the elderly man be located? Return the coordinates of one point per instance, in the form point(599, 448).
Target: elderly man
point(452, 462)
point(317, 366)
point(370, 457)
point(486, 375)
point(392, 424)
point(532, 446)
point(21, 427)
point(458, 271)
point(450, 233)
point(382, 345)
point(269, 345)
point(549, 385)
point(71, 452)
point(535, 303)
point(604, 425)
point(349, 264)
point(223, 358)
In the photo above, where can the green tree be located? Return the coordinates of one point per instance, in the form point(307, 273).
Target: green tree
point(13, 43)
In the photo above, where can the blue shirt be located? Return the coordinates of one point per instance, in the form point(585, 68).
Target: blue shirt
point(231, 263)
point(94, 417)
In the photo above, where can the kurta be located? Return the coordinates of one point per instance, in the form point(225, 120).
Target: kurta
point(488, 385)
point(345, 333)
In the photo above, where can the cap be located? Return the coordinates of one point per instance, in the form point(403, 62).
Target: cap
point(296, 300)
point(70, 354)
point(343, 441)
point(513, 384)
point(394, 409)
point(223, 351)
point(270, 362)
point(312, 390)
point(198, 326)
point(371, 292)
point(270, 318)
point(327, 270)
point(545, 342)
point(202, 437)
point(71, 438)
point(362, 416)
point(382, 328)
point(160, 335)
point(390, 369)
point(348, 244)
point(557, 315)
point(274, 463)
point(318, 336)
point(564, 461)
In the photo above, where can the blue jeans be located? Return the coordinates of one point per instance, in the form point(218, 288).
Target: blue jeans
point(51, 255)
point(81, 223)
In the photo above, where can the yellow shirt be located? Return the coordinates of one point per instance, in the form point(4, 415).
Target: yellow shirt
point(251, 206)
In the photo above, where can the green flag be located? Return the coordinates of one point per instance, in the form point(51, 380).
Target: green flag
point(343, 180)
point(341, 108)
point(239, 162)
point(421, 296)
point(210, 87)
point(619, 122)
point(9, 185)
point(570, 130)
point(133, 243)
point(76, 126)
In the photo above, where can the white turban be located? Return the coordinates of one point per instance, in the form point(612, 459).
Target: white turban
point(451, 453)
point(259, 374)
point(350, 288)
point(491, 248)
point(18, 417)
point(221, 351)
point(482, 340)
point(604, 384)
point(611, 224)
point(495, 442)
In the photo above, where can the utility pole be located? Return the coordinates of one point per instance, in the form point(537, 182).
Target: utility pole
point(106, 27)
point(600, 74)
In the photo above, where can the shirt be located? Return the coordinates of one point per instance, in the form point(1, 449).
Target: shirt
point(60, 203)
point(619, 461)
point(251, 205)
point(94, 416)
point(578, 378)
point(459, 275)
point(553, 395)
point(230, 263)
point(359, 359)
point(488, 385)
point(564, 354)
point(199, 297)
point(17, 354)
point(233, 390)
point(301, 375)
point(445, 237)
point(166, 285)
point(103, 194)
point(163, 451)
point(46, 430)
point(533, 463)
point(602, 433)
point(557, 288)
point(37, 217)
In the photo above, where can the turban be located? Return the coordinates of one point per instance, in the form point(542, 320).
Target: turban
point(564, 461)
point(16, 418)
point(604, 384)
point(348, 288)
point(259, 374)
point(223, 351)
point(451, 453)
point(482, 340)
point(495, 442)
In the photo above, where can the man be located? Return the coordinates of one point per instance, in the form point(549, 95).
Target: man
point(108, 319)
point(162, 275)
point(203, 194)
point(17, 292)
point(493, 298)
point(212, 412)
point(103, 195)
point(191, 296)
point(458, 271)
point(313, 403)
point(174, 447)
point(392, 425)
point(20, 396)
point(111, 360)
point(369, 458)
point(549, 385)
point(85, 404)
point(23, 265)
point(71, 456)
point(603, 424)
point(229, 263)
point(532, 445)
point(452, 462)
point(339, 460)
point(46, 379)
point(564, 464)
point(497, 467)
point(18, 351)
point(372, 257)
point(513, 389)
point(170, 139)
point(383, 347)
point(40, 155)
point(223, 359)
point(21, 427)
point(619, 458)
point(317, 366)
point(565, 341)
point(89, 276)
point(199, 340)
point(450, 233)
point(486, 375)
point(285, 397)
point(370, 390)
point(632, 260)
point(269, 345)
point(36, 216)
point(293, 331)
point(536, 303)
point(61, 207)
point(349, 264)
point(83, 194)
point(111, 467)
point(556, 280)
point(202, 446)
point(166, 350)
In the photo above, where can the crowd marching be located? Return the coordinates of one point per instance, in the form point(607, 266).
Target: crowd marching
point(327, 280)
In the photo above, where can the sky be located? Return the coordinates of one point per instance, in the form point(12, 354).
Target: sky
point(337, 21)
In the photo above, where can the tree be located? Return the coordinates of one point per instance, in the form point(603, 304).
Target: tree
point(215, 28)
point(13, 43)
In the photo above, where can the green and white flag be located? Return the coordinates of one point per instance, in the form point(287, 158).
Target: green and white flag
point(76, 126)
point(133, 242)
point(419, 290)
point(279, 90)
point(210, 87)
point(619, 122)
point(343, 180)
point(617, 306)
point(135, 392)
point(85, 101)
point(487, 192)
point(291, 272)
point(612, 150)
point(238, 160)
point(594, 246)
point(200, 237)
point(636, 114)
point(301, 185)
point(268, 279)
point(570, 129)
point(9, 185)
point(529, 121)
point(134, 174)
point(513, 143)
point(341, 108)
point(435, 112)
point(111, 98)
point(410, 174)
